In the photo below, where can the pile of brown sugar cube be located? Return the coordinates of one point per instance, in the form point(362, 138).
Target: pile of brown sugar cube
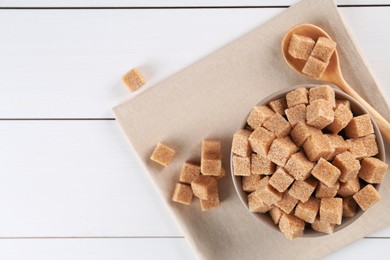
point(316, 54)
point(305, 158)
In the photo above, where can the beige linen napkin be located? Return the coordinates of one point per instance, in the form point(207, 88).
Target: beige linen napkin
point(210, 99)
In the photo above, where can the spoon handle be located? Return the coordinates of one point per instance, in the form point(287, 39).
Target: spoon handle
point(382, 123)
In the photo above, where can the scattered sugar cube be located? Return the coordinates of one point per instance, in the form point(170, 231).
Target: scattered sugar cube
point(268, 194)
point(342, 117)
point(370, 145)
point(258, 115)
point(302, 131)
point(298, 166)
point(359, 126)
point(344, 102)
point(322, 226)
point(317, 146)
point(348, 166)
point(297, 96)
point(331, 210)
point(308, 210)
point(241, 165)
point(325, 172)
point(349, 207)
point(256, 204)
point(367, 197)
point(323, 49)
point(314, 68)
point(250, 183)
point(291, 226)
point(300, 46)
point(319, 113)
point(261, 165)
point(260, 140)
point(240, 144)
point(204, 187)
point(373, 170)
point(296, 114)
point(278, 125)
point(162, 154)
point(338, 144)
point(189, 172)
point(322, 92)
point(276, 213)
point(281, 150)
point(133, 80)
point(323, 191)
point(302, 190)
point(212, 202)
point(287, 203)
point(182, 194)
point(356, 147)
point(278, 106)
point(281, 180)
point(349, 188)
point(210, 162)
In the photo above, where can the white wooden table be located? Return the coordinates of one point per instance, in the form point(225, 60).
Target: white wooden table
point(70, 186)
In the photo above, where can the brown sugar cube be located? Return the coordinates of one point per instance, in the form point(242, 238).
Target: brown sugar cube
point(308, 210)
point(323, 191)
point(314, 68)
point(325, 172)
point(276, 213)
point(268, 194)
point(296, 114)
point(189, 172)
point(322, 226)
point(300, 46)
point(212, 202)
point(317, 146)
point(322, 92)
point(133, 80)
point(373, 170)
point(348, 166)
point(356, 147)
point(349, 188)
point(210, 162)
point(319, 113)
point(370, 145)
point(359, 126)
point(338, 144)
point(349, 207)
point(162, 154)
point(297, 96)
point(367, 197)
point(221, 175)
point(212, 147)
point(302, 190)
point(298, 166)
point(258, 115)
point(260, 140)
point(250, 183)
point(240, 144)
point(302, 131)
point(344, 102)
point(342, 116)
point(204, 187)
point(281, 149)
point(280, 180)
point(261, 165)
point(291, 226)
point(287, 203)
point(241, 165)
point(256, 204)
point(331, 210)
point(278, 125)
point(323, 49)
point(182, 194)
point(278, 106)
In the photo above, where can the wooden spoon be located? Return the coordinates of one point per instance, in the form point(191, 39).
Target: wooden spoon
point(333, 72)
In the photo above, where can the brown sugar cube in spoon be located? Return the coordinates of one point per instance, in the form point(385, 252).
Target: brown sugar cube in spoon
point(302, 190)
point(323, 191)
point(240, 143)
point(241, 165)
point(189, 172)
point(210, 161)
point(204, 187)
point(373, 170)
point(323, 49)
point(348, 166)
point(212, 202)
point(342, 117)
point(370, 145)
point(319, 113)
point(278, 106)
point(258, 115)
point(322, 226)
point(182, 194)
point(349, 188)
point(299, 167)
point(281, 180)
point(317, 146)
point(291, 226)
point(314, 68)
point(359, 126)
point(297, 96)
point(260, 140)
point(261, 165)
point(367, 197)
point(300, 46)
point(281, 150)
point(133, 80)
point(287, 203)
point(250, 183)
point(162, 154)
point(338, 143)
point(275, 213)
point(331, 210)
point(278, 125)
point(302, 131)
point(308, 210)
point(296, 114)
point(256, 203)
point(349, 207)
point(322, 92)
point(325, 172)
